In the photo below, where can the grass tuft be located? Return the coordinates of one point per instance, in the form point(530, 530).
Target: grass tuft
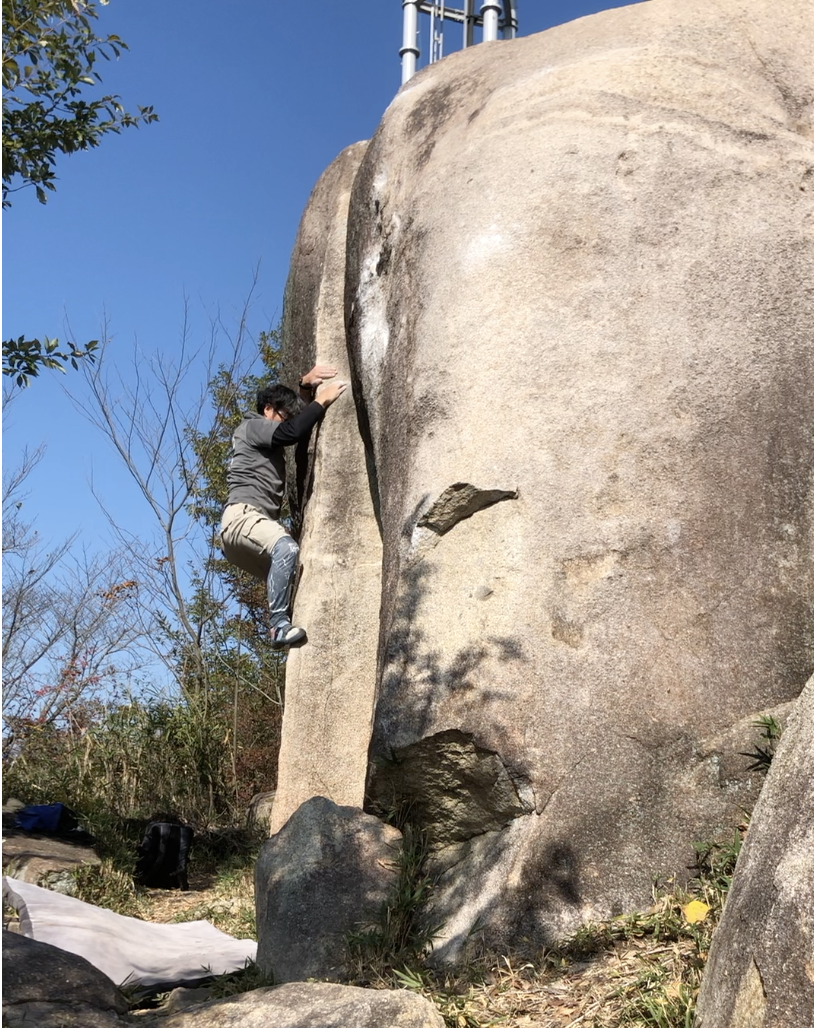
point(249, 978)
point(105, 885)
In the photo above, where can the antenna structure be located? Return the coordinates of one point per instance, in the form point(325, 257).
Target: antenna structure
point(497, 19)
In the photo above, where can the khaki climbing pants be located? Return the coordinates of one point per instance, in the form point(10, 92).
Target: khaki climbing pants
point(247, 538)
point(256, 543)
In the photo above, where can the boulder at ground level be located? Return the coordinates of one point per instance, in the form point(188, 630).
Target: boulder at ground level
point(45, 860)
point(328, 871)
point(260, 809)
point(309, 1005)
point(47, 987)
point(760, 972)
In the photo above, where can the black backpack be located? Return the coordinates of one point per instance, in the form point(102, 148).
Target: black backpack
point(163, 856)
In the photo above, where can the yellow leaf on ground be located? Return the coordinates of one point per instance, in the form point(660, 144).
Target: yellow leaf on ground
point(695, 911)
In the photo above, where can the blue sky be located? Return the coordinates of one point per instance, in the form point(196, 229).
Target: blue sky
point(255, 99)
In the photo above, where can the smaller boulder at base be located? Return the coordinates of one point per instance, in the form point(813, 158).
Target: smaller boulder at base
point(309, 1005)
point(760, 972)
point(329, 871)
point(51, 988)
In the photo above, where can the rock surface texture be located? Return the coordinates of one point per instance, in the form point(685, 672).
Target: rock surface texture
point(45, 987)
point(760, 972)
point(580, 321)
point(329, 703)
point(49, 988)
point(44, 859)
point(329, 871)
point(308, 1005)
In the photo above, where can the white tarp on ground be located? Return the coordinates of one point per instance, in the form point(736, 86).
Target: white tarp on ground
point(124, 948)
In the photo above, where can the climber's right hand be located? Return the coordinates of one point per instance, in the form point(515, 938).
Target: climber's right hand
point(330, 391)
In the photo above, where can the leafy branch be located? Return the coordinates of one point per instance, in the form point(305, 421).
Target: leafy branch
point(50, 51)
point(23, 359)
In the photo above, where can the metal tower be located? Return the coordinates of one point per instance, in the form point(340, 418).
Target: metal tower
point(497, 18)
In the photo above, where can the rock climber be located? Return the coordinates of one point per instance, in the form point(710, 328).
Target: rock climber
point(252, 537)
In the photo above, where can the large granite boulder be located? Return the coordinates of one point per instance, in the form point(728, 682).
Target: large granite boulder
point(582, 331)
point(579, 312)
point(760, 972)
point(329, 703)
point(50, 988)
point(329, 872)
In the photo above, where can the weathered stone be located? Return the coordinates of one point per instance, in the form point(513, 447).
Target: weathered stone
point(182, 998)
point(454, 788)
point(579, 269)
point(760, 972)
point(330, 683)
point(461, 500)
point(47, 987)
point(260, 809)
point(308, 1005)
point(44, 860)
point(328, 871)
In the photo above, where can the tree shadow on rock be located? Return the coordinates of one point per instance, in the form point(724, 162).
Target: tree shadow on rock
point(417, 677)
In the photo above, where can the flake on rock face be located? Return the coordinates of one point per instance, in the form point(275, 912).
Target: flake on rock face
point(460, 501)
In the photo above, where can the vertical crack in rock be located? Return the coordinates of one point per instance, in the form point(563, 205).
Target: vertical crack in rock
point(448, 786)
point(460, 501)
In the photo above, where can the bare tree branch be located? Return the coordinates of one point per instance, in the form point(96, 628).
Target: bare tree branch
point(150, 418)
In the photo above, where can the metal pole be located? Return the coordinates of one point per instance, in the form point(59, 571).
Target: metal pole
point(490, 12)
point(409, 49)
point(509, 19)
point(469, 23)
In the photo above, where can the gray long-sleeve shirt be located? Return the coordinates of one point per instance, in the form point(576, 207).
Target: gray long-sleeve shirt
point(256, 473)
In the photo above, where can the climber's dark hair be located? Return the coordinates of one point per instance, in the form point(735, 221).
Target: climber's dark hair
point(281, 398)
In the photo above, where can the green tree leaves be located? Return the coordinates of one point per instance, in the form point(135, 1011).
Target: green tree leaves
point(50, 53)
point(23, 359)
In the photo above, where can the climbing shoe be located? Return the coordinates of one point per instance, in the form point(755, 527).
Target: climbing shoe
point(287, 634)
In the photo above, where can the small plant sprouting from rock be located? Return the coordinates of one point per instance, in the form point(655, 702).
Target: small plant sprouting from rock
point(770, 732)
point(401, 936)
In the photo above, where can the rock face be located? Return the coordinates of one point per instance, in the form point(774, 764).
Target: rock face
point(259, 812)
point(759, 973)
point(44, 859)
point(329, 871)
point(47, 987)
point(329, 705)
point(581, 325)
point(309, 1005)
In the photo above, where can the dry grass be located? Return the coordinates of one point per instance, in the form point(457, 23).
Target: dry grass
point(225, 900)
point(642, 970)
point(603, 991)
